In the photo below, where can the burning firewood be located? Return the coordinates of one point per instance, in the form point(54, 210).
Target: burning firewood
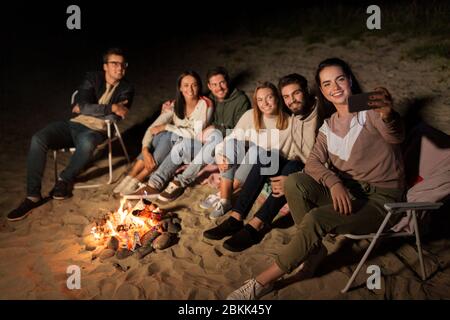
point(113, 244)
point(123, 253)
point(148, 238)
point(141, 229)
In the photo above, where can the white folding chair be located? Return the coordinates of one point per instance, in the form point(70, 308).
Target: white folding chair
point(427, 155)
point(108, 140)
point(392, 209)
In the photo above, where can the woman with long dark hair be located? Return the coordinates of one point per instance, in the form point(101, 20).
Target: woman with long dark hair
point(354, 168)
point(177, 119)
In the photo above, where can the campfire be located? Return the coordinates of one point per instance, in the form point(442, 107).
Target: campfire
point(140, 229)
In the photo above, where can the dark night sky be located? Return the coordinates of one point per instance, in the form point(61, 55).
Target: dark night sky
point(35, 37)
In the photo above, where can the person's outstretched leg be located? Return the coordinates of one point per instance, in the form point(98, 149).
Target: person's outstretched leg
point(188, 151)
point(252, 233)
point(85, 140)
point(159, 178)
point(160, 145)
point(306, 248)
point(55, 136)
point(205, 155)
point(273, 204)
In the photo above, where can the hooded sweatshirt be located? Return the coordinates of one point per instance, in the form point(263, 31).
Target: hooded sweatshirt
point(228, 112)
point(303, 134)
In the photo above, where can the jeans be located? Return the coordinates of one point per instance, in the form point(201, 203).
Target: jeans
point(58, 135)
point(161, 145)
point(205, 155)
point(186, 151)
point(253, 186)
point(242, 156)
point(314, 215)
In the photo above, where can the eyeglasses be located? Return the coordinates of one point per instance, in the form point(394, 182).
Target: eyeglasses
point(116, 64)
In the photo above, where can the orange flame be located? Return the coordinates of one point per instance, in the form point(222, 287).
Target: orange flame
point(132, 226)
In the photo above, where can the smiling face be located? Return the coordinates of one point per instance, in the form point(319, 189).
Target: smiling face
point(335, 85)
point(218, 86)
point(114, 68)
point(266, 101)
point(189, 87)
point(294, 98)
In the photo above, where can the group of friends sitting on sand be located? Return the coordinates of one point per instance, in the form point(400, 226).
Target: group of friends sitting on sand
point(334, 168)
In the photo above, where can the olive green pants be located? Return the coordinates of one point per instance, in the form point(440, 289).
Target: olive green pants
point(312, 209)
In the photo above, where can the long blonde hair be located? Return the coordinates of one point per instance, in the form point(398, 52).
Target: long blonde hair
point(282, 117)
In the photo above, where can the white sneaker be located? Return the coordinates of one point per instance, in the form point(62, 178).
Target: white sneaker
point(145, 191)
point(251, 290)
point(220, 208)
point(132, 187)
point(209, 202)
point(122, 184)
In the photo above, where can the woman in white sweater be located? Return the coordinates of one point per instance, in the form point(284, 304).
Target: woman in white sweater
point(179, 118)
point(264, 127)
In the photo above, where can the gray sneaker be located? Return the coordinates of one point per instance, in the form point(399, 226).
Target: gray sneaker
point(131, 187)
point(122, 184)
point(251, 290)
point(145, 192)
point(220, 208)
point(209, 202)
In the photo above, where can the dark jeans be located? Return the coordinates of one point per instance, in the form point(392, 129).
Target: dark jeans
point(253, 186)
point(58, 135)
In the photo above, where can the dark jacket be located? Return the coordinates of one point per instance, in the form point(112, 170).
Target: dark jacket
point(228, 112)
point(93, 87)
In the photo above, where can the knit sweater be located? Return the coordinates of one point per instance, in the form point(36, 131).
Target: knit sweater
point(187, 127)
point(268, 138)
point(361, 147)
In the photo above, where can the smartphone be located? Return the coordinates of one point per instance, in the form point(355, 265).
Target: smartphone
point(360, 102)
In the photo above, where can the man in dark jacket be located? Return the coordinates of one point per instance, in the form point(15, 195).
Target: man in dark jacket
point(229, 105)
point(101, 96)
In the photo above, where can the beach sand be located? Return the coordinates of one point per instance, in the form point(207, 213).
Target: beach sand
point(36, 252)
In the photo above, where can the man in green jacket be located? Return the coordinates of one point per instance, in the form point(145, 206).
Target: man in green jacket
point(229, 105)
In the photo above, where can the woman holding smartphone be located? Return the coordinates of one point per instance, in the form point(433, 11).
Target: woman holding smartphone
point(354, 168)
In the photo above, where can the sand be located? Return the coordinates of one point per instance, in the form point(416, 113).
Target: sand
point(36, 252)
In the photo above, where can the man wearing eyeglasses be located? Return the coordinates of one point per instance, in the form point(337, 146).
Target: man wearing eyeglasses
point(103, 95)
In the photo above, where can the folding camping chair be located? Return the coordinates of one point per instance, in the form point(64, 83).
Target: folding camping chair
point(427, 157)
point(108, 141)
point(394, 208)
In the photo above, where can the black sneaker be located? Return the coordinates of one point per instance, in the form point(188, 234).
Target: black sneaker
point(225, 229)
point(23, 210)
point(243, 239)
point(62, 190)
